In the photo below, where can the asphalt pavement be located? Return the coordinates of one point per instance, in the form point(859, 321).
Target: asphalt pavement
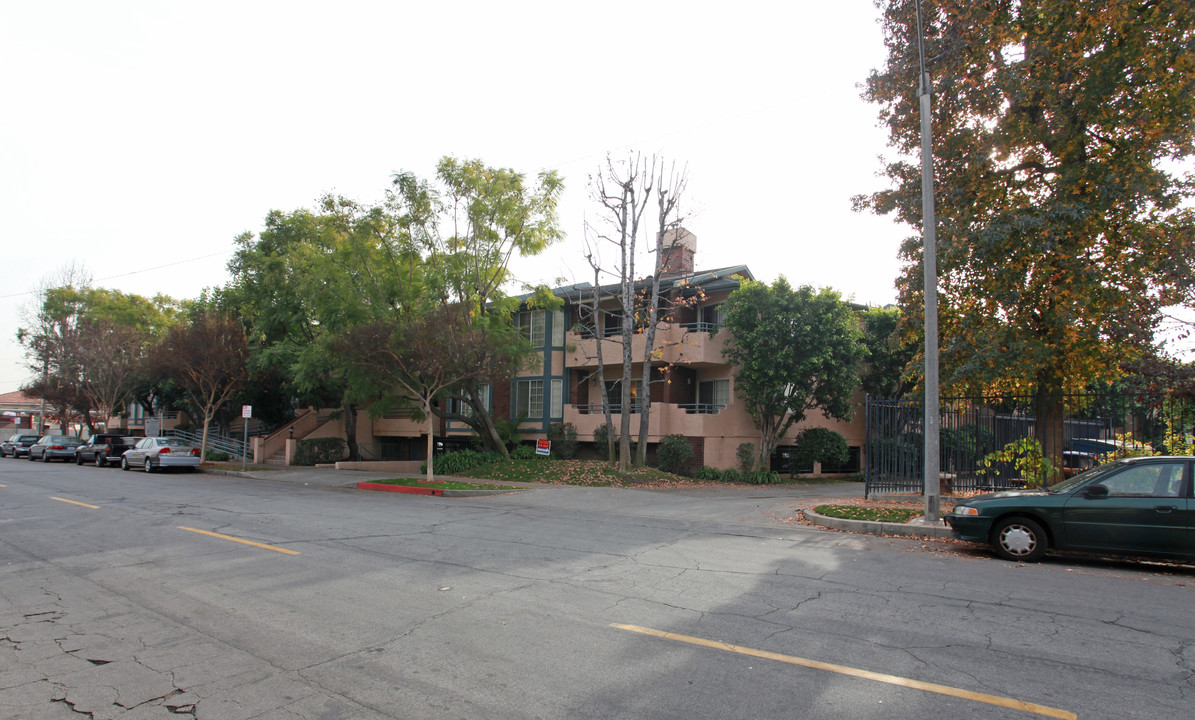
point(758, 506)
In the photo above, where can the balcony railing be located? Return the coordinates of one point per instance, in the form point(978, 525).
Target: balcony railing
point(701, 326)
point(596, 409)
point(701, 408)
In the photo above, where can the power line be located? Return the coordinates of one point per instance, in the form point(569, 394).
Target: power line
point(134, 272)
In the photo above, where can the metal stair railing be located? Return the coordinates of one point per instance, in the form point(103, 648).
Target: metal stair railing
point(215, 443)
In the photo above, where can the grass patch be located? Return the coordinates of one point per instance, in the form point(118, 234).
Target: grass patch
point(875, 514)
point(442, 485)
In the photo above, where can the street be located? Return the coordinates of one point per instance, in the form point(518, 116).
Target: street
point(133, 595)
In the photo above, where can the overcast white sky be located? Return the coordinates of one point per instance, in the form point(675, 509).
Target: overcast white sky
point(139, 138)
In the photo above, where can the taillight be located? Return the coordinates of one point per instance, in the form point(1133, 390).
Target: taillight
point(57, 447)
point(164, 450)
point(195, 452)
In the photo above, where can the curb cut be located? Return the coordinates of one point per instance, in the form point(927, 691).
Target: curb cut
point(411, 490)
point(871, 527)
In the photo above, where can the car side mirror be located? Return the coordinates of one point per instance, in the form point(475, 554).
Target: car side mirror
point(1095, 492)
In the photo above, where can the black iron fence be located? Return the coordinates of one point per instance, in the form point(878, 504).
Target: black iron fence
point(974, 428)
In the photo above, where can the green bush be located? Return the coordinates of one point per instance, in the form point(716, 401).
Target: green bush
point(709, 474)
point(731, 475)
point(761, 477)
point(459, 461)
point(564, 440)
point(523, 452)
point(746, 457)
point(314, 451)
point(214, 456)
point(820, 445)
point(604, 432)
point(674, 453)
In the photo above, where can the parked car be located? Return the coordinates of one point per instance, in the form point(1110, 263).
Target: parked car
point(156, 453)
point(54, 447)
point(103, 448)
point(18, 445)
point(1136, 506)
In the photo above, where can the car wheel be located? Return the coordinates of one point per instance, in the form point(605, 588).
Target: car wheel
point(149, 467)
point(78, 459)
point(45, 457)
point(1019, 538)
point(124, 464)
point(99, 460)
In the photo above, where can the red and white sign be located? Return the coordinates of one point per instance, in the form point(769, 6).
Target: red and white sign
point(246, 411)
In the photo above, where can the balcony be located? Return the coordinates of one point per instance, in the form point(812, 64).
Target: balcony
point(688, 344)
point(689, 419)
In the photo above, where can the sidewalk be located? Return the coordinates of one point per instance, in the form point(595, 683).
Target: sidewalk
point(761, 506)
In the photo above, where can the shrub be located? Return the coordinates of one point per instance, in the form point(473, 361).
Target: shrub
point(213, 456)
point(761, 477)
point(603, 433)
point(674, 453)
point(731, 475)
point(459, 461)
point(564, 439)
point(746, 456)
point(709, 474)
point(1026, 456)
point(820, 445)
point(313, 451)
point(523, 452)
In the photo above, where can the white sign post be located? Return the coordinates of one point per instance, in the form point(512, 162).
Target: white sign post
point(246, 413)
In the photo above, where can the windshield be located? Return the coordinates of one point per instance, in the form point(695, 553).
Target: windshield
point(1074, 481)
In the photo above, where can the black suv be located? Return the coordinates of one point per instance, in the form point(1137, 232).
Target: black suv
point(103, 448)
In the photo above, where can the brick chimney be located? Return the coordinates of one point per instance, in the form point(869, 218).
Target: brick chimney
point(680, 246)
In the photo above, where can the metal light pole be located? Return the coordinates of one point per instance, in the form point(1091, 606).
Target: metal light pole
point(929, 270)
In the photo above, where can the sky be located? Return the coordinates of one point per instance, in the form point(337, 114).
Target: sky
point(138, 139)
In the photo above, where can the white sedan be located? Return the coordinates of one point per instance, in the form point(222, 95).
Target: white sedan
point(154, 453)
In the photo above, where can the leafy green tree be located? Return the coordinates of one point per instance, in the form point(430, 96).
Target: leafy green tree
point(821, 445)
point(889, 356)
point(794, 351)
point(1064, 225)
point(470, 221)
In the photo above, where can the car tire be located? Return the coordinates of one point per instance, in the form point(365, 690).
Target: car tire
point(99, 460)
point(149, 466)
point(1019, 539)
point(78, 459)
point(124, 464)
point(45, 457)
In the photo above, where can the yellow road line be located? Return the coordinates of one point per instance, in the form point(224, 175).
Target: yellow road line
point(1034, 708)
point(72, 502)
point(239, 540)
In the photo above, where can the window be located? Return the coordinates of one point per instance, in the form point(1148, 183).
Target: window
point(529, 399)
point(461, 406)
point(711, 318)
point(557, 328)
point(531, 324)
point(556, 402)
point(1152, 480)
point(613, 324)
point(614, 393)
point(713, 395)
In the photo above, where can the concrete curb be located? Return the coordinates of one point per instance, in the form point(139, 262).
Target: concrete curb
point(880, 528)
point(411, 490)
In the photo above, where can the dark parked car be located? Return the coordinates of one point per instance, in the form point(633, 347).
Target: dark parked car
point(18, 445)
point(1135, 506)
point(54, 447)
point(104, 448)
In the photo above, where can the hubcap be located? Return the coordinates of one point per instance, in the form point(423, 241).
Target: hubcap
point(1018, 540)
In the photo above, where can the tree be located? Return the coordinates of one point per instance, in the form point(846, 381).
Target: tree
point(208, 359)
point(418, 358)
point(889, 355)
point(625, 193)
point(793, 351)
point(1063, 224)
point(471, 221)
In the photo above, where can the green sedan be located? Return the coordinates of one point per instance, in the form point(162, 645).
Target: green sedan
point(1135, 506)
